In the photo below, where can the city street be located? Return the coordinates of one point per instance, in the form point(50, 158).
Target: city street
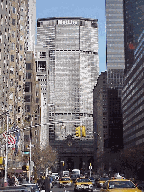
point(67, 189)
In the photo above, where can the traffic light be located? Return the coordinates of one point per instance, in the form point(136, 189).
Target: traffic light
point(27, 168)
point(83, 131)
point(24, 167)
point(78, 131)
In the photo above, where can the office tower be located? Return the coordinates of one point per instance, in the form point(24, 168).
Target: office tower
point(115, 43)
point(13, 19)
point(41, 63)
point(133, 90)
point(73, 71)
point(100, 116)
point(115, 62)
point(134, 26)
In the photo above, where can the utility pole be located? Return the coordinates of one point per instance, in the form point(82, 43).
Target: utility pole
point(6, 152)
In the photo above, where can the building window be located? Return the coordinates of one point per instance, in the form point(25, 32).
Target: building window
point(20, 57)
point(26, 138)
point(0, 54)
point(19, 108)
point(28, 66)
point(27, 98)
point(14, 10)
point(28, 75)
point(19, 77)
point(19, 120)
point(11, 70)
point(28, 86)
point(21, 37)
point(21, 47)
point(37, 100)
point(13, 21)
point(13, 34)
point(12, 58)
point(13, 46)
point(27, 108)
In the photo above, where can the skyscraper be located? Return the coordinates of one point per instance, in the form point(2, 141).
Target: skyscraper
point(73, 71)
point(13, 19)
point(133, 89)
point(134, 25)
point(115, 43)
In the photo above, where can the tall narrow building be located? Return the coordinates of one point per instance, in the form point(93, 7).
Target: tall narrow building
point(73, 71)
point(133, 90)
point(115, 58)
point(115, 61)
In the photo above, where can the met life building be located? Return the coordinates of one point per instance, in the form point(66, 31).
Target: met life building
point(73, 69)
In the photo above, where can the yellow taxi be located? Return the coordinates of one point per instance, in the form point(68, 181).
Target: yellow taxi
point(119, 185)
point(83, 184)
point(65, 182)
point(101, 181)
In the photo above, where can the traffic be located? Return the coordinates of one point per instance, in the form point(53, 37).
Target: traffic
point(75, 181)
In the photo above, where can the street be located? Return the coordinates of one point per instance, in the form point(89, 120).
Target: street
point(67, 189)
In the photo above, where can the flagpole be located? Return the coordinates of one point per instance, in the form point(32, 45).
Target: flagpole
point(6, 158)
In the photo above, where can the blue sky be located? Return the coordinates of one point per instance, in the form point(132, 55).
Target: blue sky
point(94, 9)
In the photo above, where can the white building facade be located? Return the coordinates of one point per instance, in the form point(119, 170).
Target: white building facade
point(73, 70)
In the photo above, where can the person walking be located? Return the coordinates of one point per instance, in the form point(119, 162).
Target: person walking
point(47, 184)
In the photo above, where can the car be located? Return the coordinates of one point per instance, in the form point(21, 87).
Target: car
point(15, 189)
point(122, 185)
point(92, 179)
point(33, 187)
point(140, 185)
point(101, 181)
point(74, 177)
point(65, 182)
point(83, 184)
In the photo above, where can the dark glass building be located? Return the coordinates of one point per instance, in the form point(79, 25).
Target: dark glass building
point(133, 27)
point(133, 90)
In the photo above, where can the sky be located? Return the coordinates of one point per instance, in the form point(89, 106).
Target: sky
point(94, 9)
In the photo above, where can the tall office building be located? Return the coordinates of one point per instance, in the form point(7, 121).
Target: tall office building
point(73, 71)
point(13, 19)
point(134, 25)
point(115, 43)
point(115, 62)
point(133, 90)
point(42, 61)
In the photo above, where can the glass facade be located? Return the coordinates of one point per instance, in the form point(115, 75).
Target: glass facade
point(134, 25)
point(73, 71)
point(115, 34)
point(133, 99)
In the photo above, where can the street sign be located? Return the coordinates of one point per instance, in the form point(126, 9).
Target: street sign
point(27, 152)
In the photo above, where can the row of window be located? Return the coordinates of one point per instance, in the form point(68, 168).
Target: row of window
point(132, 115)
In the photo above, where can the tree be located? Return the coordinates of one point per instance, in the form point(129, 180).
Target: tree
point(43, 158)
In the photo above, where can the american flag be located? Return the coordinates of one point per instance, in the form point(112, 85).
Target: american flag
point(11, 139)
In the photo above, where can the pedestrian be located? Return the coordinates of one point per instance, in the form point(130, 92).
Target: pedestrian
point(47, 184)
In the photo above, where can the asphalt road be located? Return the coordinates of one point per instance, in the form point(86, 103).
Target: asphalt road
point(68, 189)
